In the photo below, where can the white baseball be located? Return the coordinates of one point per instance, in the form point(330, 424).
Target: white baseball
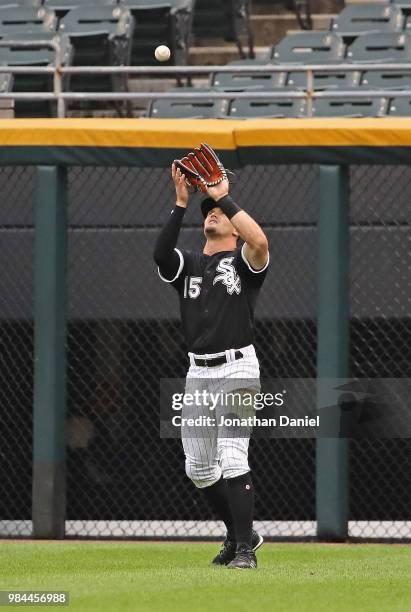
point(162, 53)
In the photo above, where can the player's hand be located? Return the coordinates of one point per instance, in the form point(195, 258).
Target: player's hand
point(218, 191)
point(180, 185)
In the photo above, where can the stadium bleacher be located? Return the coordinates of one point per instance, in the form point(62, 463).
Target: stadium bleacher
point(358, 19)
point(123, 32)
point(400, 107)
point(101, 36)
point(248, 80)
point(36, 55)
point(350, 107)
point(21, 3)
point(6, 105)
point(62, 7)
point(309, 48)
point(268, 108)
point(15, 20)
point(168, 21)
point(189, 107)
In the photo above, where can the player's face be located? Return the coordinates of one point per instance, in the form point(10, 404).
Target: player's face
point(216, 224)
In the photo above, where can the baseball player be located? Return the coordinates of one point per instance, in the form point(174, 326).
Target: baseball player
point(217, 289)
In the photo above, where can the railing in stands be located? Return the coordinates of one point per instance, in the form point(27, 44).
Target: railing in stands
point(61, 97)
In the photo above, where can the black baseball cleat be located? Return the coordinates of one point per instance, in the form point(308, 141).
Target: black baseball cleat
point(244, 559)
point(228, 550)
point(226, 554)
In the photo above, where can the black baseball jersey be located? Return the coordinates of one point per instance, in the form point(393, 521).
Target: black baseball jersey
point(217, 295)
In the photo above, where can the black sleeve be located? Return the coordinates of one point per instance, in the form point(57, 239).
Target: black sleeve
point(169, 259)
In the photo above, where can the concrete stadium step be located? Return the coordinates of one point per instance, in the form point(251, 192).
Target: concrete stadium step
point(317, 6)
point(219, 55)
point(270, 29)
point(347, 2)
point(158, 85)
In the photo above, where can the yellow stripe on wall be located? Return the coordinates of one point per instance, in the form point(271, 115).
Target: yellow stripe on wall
point(145, 133)
point(220, 134)
point(341, 132)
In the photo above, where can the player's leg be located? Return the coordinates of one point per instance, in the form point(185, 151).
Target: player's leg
point(233, 458)
point(203, 469)
point(232, 447)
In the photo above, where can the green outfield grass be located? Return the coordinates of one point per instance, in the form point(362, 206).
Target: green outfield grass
point(177, 576)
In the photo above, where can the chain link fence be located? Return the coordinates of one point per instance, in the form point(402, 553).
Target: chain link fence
point(380, 340)
point(124, 334)
point(16, 347)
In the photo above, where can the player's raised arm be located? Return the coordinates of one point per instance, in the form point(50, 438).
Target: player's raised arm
point(256, 243)
point(168, 259)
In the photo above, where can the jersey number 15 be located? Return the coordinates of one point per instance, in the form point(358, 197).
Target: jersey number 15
point(192, 286)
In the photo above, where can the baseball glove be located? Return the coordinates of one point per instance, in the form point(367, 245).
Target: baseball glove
point(202, 168)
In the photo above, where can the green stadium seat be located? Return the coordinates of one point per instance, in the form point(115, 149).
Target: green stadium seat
point(350, 107)
point(228, 19)
point(6, 105)
point(358, 19)
point(309, 48)
point(167, 21)
point(400, 107)
point(6, 80)
point(62, 7)
point(407, 26)
point(238, 81)
point(20, 3)
point(383, 48)
point(35, 55)
point(270, 107)
point(189, 108)
point(386, 79)
point(28, 19)
point(324, 80)
point(404, 5)
point(101, 36)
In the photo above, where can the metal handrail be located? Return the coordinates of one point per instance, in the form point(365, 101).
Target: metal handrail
point(310, 94)
point(190, 70)
point(55, 70)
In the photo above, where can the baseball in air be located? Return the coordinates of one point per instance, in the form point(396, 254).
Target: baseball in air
point(162, 53)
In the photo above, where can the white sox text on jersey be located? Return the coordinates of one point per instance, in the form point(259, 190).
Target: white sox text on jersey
point(217, 299)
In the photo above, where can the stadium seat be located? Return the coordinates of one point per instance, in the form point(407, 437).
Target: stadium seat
point(407, 26)
point(238, 81)
point(28, 19)
point(62, 7)
point(270, 107)
point(350, 107)
point(400, 107)
point(229, 20)
point(35, 55)
point(383, 48)
point(20, 3)
point(101, 36)
point(386, 79)
point(6, 105)
point(309, 48)
point(359, 19)
point(404, 5)
point(167, 21)
point(188, 108)
point(324, 80)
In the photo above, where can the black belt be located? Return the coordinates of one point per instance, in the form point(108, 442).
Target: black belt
point(216, 361)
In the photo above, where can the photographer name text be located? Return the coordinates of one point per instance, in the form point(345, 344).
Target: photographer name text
point(250, 421)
